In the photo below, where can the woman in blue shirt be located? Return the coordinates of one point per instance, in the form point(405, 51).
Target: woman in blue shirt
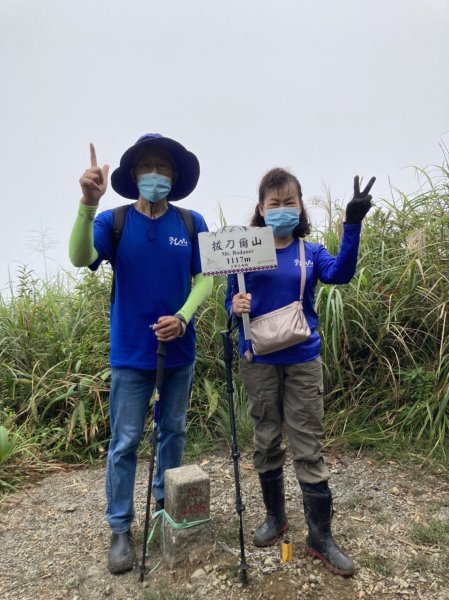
point(286, 386)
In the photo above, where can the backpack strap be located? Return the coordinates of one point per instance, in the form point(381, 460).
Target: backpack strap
point(119, 214)
point(187, 219)
point(118, 225)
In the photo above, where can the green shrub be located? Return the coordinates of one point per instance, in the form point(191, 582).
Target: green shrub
point(385, 345)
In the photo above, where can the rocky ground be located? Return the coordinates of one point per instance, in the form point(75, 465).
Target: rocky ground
point(393, 519)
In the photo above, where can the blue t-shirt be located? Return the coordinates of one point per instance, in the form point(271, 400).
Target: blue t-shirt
point(154, 264)
point(275, 288)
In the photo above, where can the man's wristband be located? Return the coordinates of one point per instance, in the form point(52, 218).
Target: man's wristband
point(183, 324)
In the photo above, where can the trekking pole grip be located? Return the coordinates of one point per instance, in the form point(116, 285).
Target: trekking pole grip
point(161, 353)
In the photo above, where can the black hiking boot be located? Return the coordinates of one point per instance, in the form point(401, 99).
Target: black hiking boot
point(122, 553)
point(318, 511)
point(268, 533)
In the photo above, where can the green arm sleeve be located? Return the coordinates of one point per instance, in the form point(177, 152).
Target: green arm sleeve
point(202, 287)
point(82, 252)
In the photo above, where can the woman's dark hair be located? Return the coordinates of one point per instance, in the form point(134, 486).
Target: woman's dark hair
point(278, 178)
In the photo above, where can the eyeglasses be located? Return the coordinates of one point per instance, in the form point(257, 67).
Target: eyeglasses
point(150, 164)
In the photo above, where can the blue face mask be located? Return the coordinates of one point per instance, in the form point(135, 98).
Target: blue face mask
point(154, 187)
point(282, 220)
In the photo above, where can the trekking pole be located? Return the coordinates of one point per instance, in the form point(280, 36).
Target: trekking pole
point(245, 319)
point(228, 352)
point(161, 352)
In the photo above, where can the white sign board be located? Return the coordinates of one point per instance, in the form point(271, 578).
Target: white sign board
point(237, 249)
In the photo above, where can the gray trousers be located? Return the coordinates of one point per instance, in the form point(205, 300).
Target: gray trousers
point(290, 394)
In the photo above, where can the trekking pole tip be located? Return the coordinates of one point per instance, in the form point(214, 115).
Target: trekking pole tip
point(244, 573)
point(142, 572)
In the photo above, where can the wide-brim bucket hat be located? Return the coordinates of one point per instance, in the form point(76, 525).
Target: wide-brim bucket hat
point(186, 165)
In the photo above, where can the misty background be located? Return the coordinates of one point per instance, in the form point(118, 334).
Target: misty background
point(328, 89)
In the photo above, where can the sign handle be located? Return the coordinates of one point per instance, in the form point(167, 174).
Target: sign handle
point(245, 316)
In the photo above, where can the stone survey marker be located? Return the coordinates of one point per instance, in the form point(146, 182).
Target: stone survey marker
point(187, 501)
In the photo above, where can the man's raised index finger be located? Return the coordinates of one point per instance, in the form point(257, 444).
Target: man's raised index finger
point(369, 186)
point(356, 186)
point(93, 156)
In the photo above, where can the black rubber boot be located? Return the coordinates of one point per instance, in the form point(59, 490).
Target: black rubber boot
point(317, 500)
point(268, 533)
point(122, 553)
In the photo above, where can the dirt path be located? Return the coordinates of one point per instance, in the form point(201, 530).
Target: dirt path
point(392, 519)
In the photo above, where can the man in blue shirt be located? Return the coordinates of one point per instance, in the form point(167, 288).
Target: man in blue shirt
point(155, 262)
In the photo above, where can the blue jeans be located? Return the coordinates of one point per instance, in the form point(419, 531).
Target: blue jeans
point(131, 390)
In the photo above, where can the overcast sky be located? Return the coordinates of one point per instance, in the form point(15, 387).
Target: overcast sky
point(328, 88)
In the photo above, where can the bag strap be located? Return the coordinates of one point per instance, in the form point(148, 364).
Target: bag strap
point(302, 262)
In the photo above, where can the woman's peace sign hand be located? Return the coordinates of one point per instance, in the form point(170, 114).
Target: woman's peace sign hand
point(94, 180)
point(361, 203)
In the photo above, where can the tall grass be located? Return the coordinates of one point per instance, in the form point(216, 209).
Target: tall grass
point(385, 345)
point(53, 362)
point(385, 335)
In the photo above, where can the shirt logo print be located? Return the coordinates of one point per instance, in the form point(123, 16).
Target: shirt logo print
point(309, 263)
point(177, 242)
